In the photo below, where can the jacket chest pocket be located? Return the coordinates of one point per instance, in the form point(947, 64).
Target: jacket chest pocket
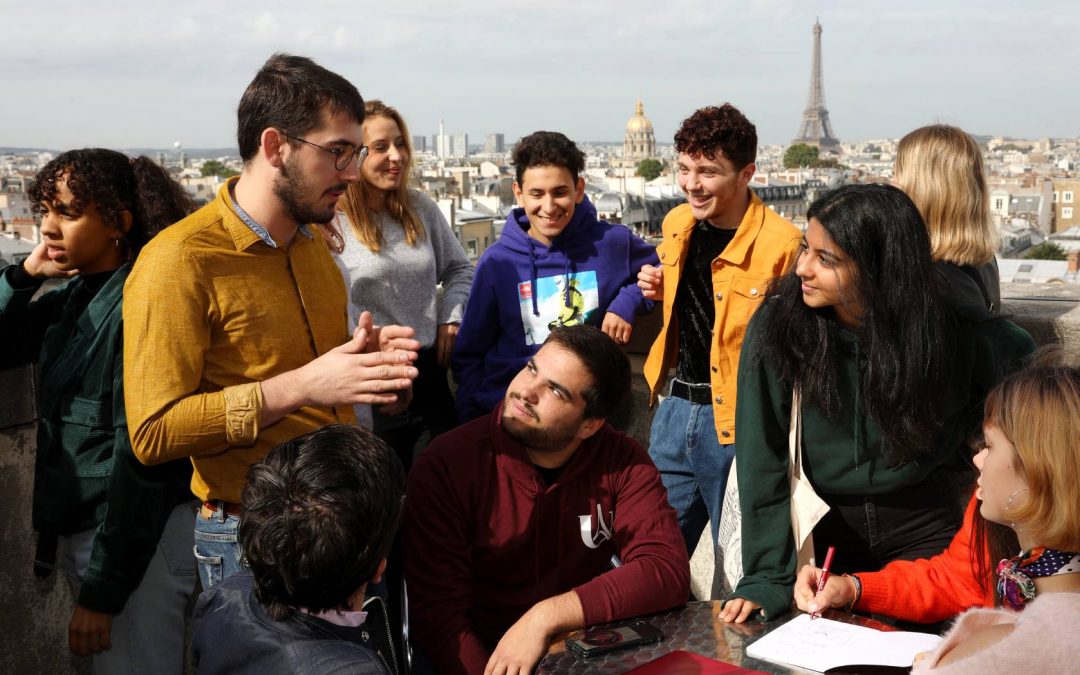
point(86, 434)
point(670, 251)
point(745, 295)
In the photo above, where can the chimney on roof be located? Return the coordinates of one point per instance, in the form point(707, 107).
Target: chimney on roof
point(1074, 262)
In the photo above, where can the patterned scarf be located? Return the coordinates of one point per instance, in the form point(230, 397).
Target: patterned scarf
point(1015, 575)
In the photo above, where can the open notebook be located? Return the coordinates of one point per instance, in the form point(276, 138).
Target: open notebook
point(821, 644)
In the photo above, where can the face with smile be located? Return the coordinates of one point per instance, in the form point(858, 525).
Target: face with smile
point(827, 275)
point(78, 241)
point(388, 153)
point(1000, 478)
point(309, 184)
point(715, 189)
point(548, 195)
point(543, 409)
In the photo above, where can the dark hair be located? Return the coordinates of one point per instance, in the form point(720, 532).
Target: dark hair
point(547, 148)
point(289, 93)
point(990, 543)
point(724, 129)
point(903, 329)
point(607, 365)
point(319, 516)
point(115, 183)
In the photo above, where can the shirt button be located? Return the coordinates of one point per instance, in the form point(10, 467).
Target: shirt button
point(725, 433)
point(663, 255)
point(719, 400)
point(753, 291)
point(719, 296)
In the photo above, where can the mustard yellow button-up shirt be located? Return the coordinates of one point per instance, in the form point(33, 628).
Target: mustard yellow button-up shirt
point(210, 311)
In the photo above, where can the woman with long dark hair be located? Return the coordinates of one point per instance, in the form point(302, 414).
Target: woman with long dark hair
point(121, 531)
point(891, 383)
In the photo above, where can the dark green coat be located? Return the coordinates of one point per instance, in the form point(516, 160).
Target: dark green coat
point(843, 456)
point(85, 473)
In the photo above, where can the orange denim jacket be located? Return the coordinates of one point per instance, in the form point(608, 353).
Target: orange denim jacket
point(764, 247)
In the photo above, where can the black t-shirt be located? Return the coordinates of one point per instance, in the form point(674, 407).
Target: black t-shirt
point(695, 304)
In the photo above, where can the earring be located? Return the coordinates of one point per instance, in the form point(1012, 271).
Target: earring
point(116, 242)
point(1009, 502)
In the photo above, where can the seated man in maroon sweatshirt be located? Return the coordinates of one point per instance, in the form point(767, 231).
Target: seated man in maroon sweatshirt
point(538, 518)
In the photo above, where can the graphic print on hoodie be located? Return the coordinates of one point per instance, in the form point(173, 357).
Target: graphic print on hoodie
point(520, 292)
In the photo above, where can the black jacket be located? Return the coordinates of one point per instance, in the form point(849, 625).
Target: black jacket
point(233, 634)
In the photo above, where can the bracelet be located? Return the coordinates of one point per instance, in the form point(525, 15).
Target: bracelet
point(857, 583)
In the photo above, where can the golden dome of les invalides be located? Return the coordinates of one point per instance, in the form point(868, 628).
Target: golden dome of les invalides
point(639, 142)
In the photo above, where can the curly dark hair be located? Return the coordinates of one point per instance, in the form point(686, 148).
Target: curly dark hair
point(725, 130)
point(547, 148)
point(319, 515)
point(115, 183)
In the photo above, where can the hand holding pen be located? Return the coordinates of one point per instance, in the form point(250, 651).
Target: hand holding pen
point(823, 578)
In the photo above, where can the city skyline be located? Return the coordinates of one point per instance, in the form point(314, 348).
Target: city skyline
point(133, 76)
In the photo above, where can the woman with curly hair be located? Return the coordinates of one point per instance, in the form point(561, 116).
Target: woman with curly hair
point(402, 262)
point(891, 382)
point(121, 531)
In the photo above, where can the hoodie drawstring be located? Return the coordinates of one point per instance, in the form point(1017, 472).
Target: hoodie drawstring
point(532, 277)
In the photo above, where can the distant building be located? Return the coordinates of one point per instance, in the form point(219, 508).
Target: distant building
point(494, 144)
point(459, 145)
point(419, 143)
point(1066, 204)
point(441, 142)
point(816, 129)
point(640, 141)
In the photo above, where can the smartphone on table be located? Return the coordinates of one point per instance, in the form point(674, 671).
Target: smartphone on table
point(605, 639)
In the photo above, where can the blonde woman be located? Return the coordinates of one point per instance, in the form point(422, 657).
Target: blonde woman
point(941, 168)
point(395, 249)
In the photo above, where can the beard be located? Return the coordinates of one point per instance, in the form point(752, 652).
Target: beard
point(290, 188)
point(539, 438)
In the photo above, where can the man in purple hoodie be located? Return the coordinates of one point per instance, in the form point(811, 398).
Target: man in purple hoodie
point(555, 264)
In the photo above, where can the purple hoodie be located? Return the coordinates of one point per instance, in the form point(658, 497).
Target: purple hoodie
point(522, 289)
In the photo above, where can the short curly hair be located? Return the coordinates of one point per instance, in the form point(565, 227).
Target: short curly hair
point(114, 183)
point(718, 129)
point(547, 148)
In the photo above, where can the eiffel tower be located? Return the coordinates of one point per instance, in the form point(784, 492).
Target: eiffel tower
point(815, 128)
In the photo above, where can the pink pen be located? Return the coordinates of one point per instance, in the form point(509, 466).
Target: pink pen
point(824, 577)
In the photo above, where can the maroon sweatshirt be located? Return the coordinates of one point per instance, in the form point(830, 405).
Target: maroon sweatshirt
point(486, 539)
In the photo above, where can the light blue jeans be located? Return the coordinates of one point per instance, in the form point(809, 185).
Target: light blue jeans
point(216, 547)
point(148, 636)
point(693, 464)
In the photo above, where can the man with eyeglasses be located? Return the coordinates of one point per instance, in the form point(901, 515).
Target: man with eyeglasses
point(236, 334)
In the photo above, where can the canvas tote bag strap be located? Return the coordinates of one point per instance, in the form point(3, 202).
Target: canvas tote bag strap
point(807, 508)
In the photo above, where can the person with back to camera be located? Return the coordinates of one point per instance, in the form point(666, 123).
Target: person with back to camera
point(320, 513)
point(941, 168)
point(555, 262)
point(891, 384)
point(122, 530)
point(395, 248)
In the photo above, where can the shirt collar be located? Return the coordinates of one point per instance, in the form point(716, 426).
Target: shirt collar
point(255, 227)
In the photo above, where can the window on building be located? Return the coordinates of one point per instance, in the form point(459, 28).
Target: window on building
point(470, 247)
point(999, 203)
point(1067, 197)
point(1066, 212)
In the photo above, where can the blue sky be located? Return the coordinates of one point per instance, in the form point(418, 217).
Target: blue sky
point(146, 74)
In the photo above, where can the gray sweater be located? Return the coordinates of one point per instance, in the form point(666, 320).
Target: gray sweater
point(398, 284)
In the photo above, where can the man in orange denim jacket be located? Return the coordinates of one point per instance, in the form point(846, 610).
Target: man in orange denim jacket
point(719, 252)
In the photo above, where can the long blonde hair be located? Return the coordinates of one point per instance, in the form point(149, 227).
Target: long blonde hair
point(941, 168)
point(354, 202)
point(1038, 410)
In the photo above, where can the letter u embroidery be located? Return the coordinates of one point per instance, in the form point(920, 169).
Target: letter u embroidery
point(603, 530)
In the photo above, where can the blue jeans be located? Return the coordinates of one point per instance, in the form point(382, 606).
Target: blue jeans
point(148, 635)
point(216, 547)
point(693, 464)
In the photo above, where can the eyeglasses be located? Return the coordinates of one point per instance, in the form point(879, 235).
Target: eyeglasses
point(342, 157)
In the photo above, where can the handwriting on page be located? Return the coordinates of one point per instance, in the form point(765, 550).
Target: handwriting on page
point(821, 644)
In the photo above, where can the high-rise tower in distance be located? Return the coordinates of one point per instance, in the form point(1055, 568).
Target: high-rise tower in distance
point(815, 128)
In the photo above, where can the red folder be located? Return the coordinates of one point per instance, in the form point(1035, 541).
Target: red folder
point(685, 663)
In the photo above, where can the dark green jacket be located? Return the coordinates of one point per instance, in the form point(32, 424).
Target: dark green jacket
point(85, 473)
point(843, 456)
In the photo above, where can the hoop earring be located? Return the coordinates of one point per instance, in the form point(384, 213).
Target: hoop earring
point(1008, 503)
